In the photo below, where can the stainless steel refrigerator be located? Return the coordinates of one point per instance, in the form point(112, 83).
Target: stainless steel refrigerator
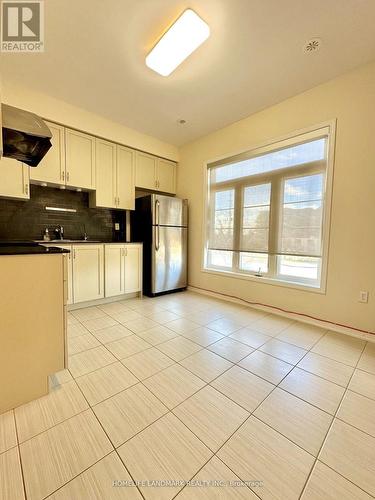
point(161, 223)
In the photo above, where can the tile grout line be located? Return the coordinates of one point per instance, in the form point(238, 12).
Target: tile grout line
point(19, 454)
point(330, 427)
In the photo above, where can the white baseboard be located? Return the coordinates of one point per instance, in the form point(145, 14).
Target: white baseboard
point(98, 302)
point(320, 323)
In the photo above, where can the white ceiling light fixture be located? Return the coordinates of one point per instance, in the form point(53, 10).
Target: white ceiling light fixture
point(185, 35)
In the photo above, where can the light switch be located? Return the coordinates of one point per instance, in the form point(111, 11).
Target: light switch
point(363, 296)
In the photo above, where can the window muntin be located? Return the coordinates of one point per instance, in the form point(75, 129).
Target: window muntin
point(275, 218)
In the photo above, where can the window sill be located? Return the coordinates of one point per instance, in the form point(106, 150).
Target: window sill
point(267, 281)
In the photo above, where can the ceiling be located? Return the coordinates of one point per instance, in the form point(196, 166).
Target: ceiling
point(95, 53)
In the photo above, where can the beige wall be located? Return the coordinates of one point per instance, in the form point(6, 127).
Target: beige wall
point(351, 267)
point(67, 114)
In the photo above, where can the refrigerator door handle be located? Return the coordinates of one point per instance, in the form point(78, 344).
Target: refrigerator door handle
point(157, 239)
point(157, 212)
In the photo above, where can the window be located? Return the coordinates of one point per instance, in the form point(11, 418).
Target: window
point(267, 209)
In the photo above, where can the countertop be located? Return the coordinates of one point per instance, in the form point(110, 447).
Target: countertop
point(27, 248)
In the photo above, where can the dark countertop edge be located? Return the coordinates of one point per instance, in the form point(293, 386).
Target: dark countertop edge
point(29, 248)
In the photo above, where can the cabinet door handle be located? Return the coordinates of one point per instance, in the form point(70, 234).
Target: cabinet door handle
point(74, 254)
point(67, 176)
point(26, 189)
point(118, 201)
point(63, 175)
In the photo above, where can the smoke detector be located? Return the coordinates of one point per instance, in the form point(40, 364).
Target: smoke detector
point(181, 122)
point(312, 45)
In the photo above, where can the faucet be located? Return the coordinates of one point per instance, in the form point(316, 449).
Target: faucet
point(59, 232)
point(85, 236)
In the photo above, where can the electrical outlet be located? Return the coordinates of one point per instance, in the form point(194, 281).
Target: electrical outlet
point(363, 297)
point(117, 226)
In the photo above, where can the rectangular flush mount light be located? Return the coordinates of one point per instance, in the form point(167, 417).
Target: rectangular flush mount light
point(183, 37)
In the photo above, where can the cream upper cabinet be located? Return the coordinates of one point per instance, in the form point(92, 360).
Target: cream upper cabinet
point(145, 173)
point(166, 176)
point(133, 268)
point(125, 178)
point(88, 272)
point(123, 269)
point(106, 177)
point(14, 179)
point(114, 270)
point(52, 168)
point(80, 159)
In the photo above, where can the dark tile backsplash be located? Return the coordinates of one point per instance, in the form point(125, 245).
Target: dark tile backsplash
point(26, 220)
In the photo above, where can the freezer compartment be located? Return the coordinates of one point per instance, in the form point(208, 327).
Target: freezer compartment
point(169, 259)
point(169, 211)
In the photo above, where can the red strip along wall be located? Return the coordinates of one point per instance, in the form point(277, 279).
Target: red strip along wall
point(284, 310)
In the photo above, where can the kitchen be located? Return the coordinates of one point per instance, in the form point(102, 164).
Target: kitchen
point(186, 253)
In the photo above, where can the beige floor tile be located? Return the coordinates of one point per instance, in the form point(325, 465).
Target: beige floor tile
point(88, 313)
point(204, 317)
point(340, 347)
point(257, 452)
point(297, 420)
point(76, 330)
point(128, 413)
point(179, 348)
point(284, 351)
point(231, 349)
point(105, 382)
point(315, 390)
point(271, 324)
point(41, 414)
point(147, 363)
point(89, 361)
point(325, 483)
point(211, 416)
point(71, 319)
point(166, 450)
point(113, 308)
point(351, 453)
point(82, 343)
point(302, 335)
point(59, 378)
point(206, 364)
point(181, 325)
point(140, 325)
point(11, 486)
point(56, 456)
point(8, 435)
point(173, 385)
point(243, 387)
point(96, 483)
point(93, 325)
point(157, 335)
point(126, 316)
point(358, 411)
point(127, 346)
point(367, 361)
point(112, 333)
point(327, 368)
point(203, 336)
point(226, 326)
point(271, 369)
point(250, 337)
point(363, 383)
point(162, 317)
point(215, 470)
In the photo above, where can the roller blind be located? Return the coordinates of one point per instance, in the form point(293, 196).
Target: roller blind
point(270, 201)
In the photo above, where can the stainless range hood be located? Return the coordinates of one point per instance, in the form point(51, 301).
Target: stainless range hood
point(25, 136)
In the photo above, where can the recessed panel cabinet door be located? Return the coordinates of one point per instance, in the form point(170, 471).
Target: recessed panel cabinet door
point(145, 176)
point(133, 268)
point(125, 178)
point(14, 179)
point(80, 159)
point(52, 168)
point(88, 272)
point(114, 270)
point(166, 176)
point(106, 181)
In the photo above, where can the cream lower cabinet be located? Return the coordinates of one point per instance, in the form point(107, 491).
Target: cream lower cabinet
point(69, 272)
point(88, 272)
point(123, 269)
point(14, 179)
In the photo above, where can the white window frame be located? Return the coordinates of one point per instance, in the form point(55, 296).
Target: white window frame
point(310, 133)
